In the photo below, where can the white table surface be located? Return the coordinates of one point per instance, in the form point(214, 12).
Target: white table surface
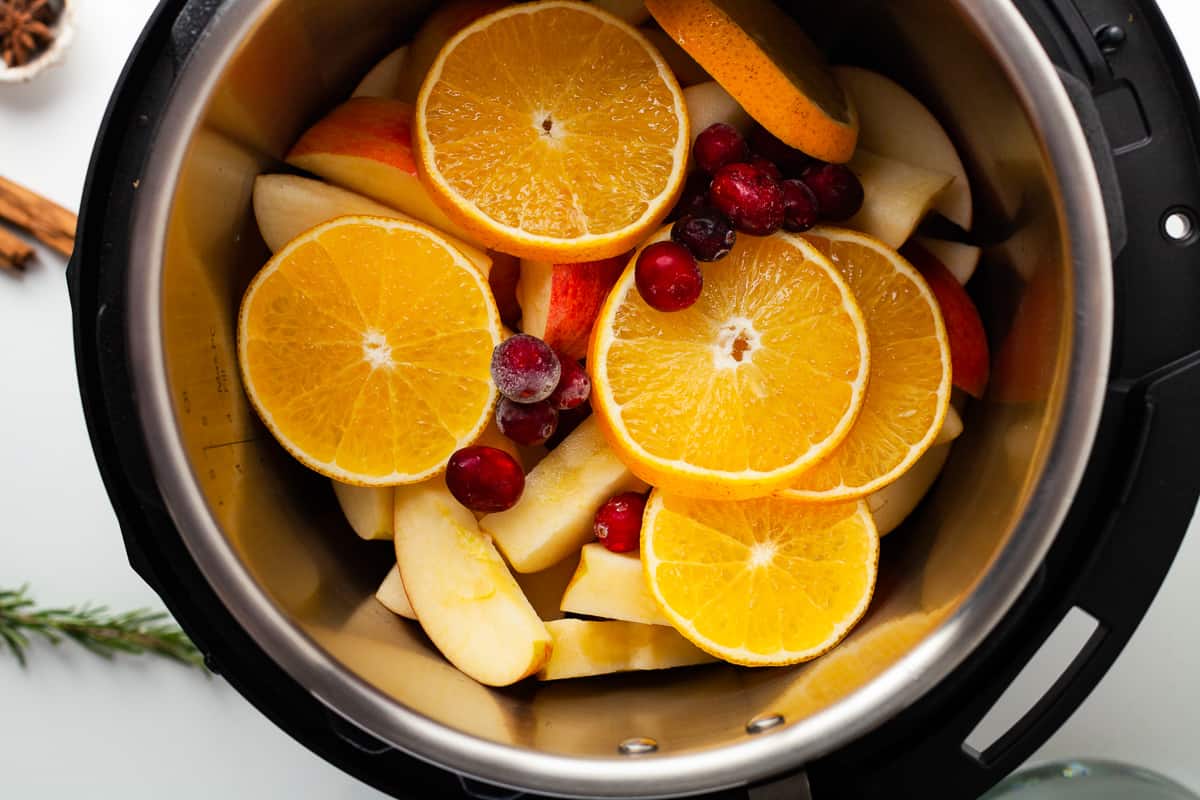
point(143, 729)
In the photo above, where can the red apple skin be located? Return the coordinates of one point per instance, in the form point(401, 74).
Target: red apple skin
point(573, 295)
point(969, 356)
point(506, 272)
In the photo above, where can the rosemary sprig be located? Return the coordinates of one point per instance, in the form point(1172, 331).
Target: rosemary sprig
point(92, 627)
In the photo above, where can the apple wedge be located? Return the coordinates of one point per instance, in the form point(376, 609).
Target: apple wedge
point(553, 518)
point(896, 196)
point(892, 504)
point(285, 206)
point(384, 78)
point(560, 302)
point(632, 11)
point(894, 124)
point(465, 598)
point(544, 589)
point(583, 647)
point(366, 145)
point(368, 509)
point(952, 427)
point(687, 71)
point(439, 27)
point(708, 104)
point(392, 595)
point(611, 586)
point(960, 259)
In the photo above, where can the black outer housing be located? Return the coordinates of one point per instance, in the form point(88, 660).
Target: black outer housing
point(1112, 554)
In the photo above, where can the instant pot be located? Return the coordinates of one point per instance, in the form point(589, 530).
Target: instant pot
point(1071, 488)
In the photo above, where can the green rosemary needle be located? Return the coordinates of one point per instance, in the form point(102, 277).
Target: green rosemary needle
point(92, 627)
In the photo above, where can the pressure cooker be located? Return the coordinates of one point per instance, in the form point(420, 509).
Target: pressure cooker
point(1069, 492)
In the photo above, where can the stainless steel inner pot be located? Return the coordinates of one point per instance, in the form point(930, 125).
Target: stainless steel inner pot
point(270, 539)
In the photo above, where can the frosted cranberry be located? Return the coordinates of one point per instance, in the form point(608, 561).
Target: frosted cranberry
point(709, 236)
point(767, 166)
point(789, 160)
point(618, 523)
point(717, 145)
point(574, 387)
point(485, 479)
point(750, 197)
point(839, 191)
point(667, 276)
point(694, 199)
point(800, 209)
point(526, 423)
point(525, 369)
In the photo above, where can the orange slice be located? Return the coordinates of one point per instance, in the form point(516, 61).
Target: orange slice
point(553, 131)
point(764, 582)
point(365, 345)
point(909, 388)
point(766, 61)
point(736, 396)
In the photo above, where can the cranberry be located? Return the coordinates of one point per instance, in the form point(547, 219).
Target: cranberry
point(709, 236)
point(525, 369)
point(485, 479)
point(767, 166)
point(717, 145)
point(750, 197)
point(800, 209)
point(526, 423)
point(667, 276)
point(574, 387)
point(618, 523)
point(839, 191)
point(694, 199)
point(788, 159)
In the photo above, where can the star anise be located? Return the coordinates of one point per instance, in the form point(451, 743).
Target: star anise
point(25, 28)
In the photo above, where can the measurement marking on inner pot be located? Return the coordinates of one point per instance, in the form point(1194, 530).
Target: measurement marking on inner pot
point(637, 746)
point(231, 444)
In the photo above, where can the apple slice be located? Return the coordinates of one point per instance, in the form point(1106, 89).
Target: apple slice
point(544, 589)
point(897, 196)
point(892, 504)
point(969, 356)
point(583, 647)
point(286, 206)
point(952, 427)
point(960, 259)
point(553, 518)
point(708, 104)
point(366, 145)
point(611, 586)
point(392, 595)
point(632, 11)
point(368, 509)
point(384, 78)
point(560, 302)
point(687, 71)
point(465, 598)
point(895, 124)
point(439, 27)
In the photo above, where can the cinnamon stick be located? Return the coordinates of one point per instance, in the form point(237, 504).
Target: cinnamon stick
point(49, 222)
point(13, 252)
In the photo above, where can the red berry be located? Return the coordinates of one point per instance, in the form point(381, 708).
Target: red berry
point(574, 387)
point(717, 145)
point(485, 479)
point(618, 523)
point(767, 166)
point(667, 276)
point(789, 160)
point(709, 236)
point(526, 423)
point(750, 197)
point(525, 369)
point(694, 199)
point(800, 209)
point(838, 190)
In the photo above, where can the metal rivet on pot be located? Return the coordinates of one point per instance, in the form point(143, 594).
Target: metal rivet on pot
point(637, 746)
point(1110, 38)
point(763, 723)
